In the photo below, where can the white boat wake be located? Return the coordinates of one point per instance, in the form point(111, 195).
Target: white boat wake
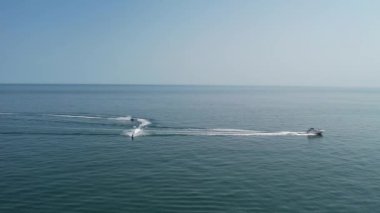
point(143, 127)
point(137, 131)
point(142, 130)
point(218, 132)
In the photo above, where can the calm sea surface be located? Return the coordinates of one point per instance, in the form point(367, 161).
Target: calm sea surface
point(67, 148)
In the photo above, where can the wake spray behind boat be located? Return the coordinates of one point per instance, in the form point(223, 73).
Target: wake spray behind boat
point(137, 131)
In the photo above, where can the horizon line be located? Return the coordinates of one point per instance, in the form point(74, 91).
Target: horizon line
point(201, 85)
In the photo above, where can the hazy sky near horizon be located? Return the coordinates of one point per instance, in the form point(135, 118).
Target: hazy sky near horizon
point(253, 42)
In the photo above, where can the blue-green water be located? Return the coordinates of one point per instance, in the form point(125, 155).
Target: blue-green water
point(65, 148)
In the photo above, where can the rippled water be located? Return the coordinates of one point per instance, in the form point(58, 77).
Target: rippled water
point(67, 148)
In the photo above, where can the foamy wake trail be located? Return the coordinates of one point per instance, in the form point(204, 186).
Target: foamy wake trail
point(134, 132)
point(125, 118)
point(143, 122)
point(74, 116)
point(120, 119)
point(220, 132)
point(139, 130)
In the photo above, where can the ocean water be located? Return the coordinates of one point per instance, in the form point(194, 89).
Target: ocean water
point(67, 148)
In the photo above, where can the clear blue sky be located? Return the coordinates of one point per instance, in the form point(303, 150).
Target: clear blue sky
point(266, 42)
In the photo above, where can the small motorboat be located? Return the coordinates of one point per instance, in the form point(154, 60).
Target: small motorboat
point(315, 132)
